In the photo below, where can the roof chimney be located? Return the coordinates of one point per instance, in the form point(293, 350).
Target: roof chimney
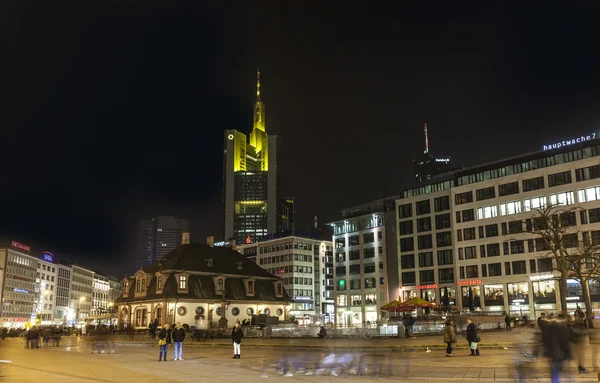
point(232, 244)
point(185, 238)
point(210, 241)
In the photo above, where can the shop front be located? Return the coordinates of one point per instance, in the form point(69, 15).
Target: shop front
point(494, 297)
point(471, 294)
point(408, 294)
point(518, 299)
point(428, 292)
point(447, 293)
point(544, 294)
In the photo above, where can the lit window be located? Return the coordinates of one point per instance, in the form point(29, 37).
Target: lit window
point(159, 283)
point(220, 284)
point(566, 198)
point(250, 287)
point(534, 203)
point(487, 212)
point(182, 283)
point(510, 208)
point(589, 194)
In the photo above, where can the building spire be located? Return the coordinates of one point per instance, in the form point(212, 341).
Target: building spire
point(258, 85)
point(426, 139)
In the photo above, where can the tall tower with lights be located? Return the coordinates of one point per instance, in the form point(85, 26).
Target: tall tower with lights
point(250, 179)
point(426, 165)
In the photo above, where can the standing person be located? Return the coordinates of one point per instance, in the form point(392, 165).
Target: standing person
point(411, 323)
point(178, 336)
point(472, 337)
point(507, 321)
point(164, 340)
point(406, 324)
point(236, 337)
point(156, 328)
point(541, 319)
point(449, 337)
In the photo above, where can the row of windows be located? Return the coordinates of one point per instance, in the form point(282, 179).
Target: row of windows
point(426, 241)
point(358, 299)
point(424, 207)
point(297, 281)
point(44, 267)
point(290, 269)
point(356, 269)
point(353, 240)
point(285, 258)
point(286, 246)
point(444, 257)
point(355, 255)
point(442, 222)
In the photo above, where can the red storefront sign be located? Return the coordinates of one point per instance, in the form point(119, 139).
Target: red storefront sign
point(19, 245)
point(428, 286)
point(470, 282)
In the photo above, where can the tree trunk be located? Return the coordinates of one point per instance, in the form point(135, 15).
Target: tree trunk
point(562, 284)
point(589, 315)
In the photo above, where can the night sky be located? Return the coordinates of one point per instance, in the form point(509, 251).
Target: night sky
point(114, 111)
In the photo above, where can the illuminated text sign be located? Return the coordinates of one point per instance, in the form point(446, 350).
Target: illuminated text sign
point(16, 290)
point(577, 140)
point(47, 256)
point(427, 287)
point(304, 298)
point(222, 244)
point(444, 160)
point(470, 282)
point(540, 277)
point(19, 245)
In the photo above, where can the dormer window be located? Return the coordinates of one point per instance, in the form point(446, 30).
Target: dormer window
point(239, 266)
point(183, 282)
point(278, 289)
point(250, 287)
point(125, 285)
point(159, 282)
point(250, 284)
point(219, 285)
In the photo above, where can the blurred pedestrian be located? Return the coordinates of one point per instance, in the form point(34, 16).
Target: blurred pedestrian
point(164, 339)
point(236, 337)
point(406, 324)
point(322, 334)
point(178, 335)
point(578, 336)
point(540, 319)
point(507, 321)
point(555, 333)
point(449, 337)
point(473, 337)
point(594, 337)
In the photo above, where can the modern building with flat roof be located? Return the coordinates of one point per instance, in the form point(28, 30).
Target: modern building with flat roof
point(365, 261)
point(469, 232)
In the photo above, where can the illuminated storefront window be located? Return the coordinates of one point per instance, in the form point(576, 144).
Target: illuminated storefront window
point(428, 295)
point(518, 293)
point(544, 291)
point(451, 295)
point(408, 294)
point(471, 297)
point(494, 295)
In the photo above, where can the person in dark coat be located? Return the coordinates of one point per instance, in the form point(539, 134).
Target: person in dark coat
point(555, 334)
point(323, 333)
point(236, 337)
point(178, 335)
point(449, 337)
point(472, 337)
point(164, 335)
point(507, 321)
point(578, 335)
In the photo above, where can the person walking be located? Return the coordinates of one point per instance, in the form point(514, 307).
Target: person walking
point(578, 335)
point(449, 337)
point(178, 336)
point(507, 320)
point(406, 324)
point(236, 337)
point(555, 334)
point(473, 337)
point(164, 340)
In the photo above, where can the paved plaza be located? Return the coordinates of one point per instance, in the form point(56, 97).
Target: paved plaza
point(137, 362)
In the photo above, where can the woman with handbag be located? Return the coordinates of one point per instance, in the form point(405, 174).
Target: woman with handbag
point(236, 337)
point(164, 339)
point(472, 337)
point(449, 337)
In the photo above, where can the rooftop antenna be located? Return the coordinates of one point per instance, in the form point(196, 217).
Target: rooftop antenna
point(426, 139)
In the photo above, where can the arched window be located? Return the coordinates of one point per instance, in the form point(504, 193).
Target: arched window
point(158, 314)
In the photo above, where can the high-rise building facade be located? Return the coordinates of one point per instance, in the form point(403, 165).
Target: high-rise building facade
point(19, 285)
point(100, 294)
point(46, 279)
point(250, 178)
point(427, 166)
point(157, 236)
point(285, 215)
point(63, 293)
point(365, 261)
point(305, 266)
point(470, 234)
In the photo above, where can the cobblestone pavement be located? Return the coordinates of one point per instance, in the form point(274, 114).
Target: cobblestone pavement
point(74, 362)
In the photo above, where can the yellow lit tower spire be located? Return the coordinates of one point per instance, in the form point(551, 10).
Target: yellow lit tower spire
point(258, 136)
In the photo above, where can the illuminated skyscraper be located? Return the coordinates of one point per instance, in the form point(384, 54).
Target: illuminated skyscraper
point(156, 237)
point(427, 166)
point(250, 179)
